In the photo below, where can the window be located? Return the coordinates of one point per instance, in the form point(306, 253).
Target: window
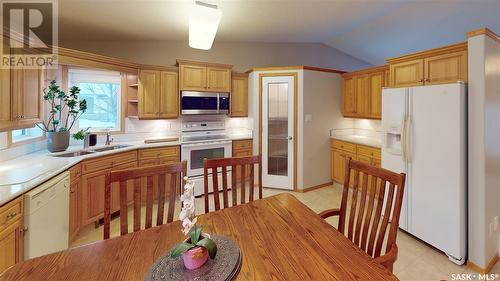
point(26, 134)
point(101, 90)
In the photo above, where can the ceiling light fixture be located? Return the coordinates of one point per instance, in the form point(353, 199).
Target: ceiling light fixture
point(203, 23)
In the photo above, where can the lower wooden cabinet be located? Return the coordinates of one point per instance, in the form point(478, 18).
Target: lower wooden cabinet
point(242, 148)
point(341, 150)
point(11, 233)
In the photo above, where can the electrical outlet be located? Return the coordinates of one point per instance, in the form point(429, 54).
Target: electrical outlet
point(490, 229)
point(495, 223)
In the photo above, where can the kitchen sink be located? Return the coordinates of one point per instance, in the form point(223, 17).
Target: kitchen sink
point(74, 154)
point(111, 147)
point(85, 152)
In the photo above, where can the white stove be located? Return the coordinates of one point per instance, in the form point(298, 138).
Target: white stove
point(203, 140)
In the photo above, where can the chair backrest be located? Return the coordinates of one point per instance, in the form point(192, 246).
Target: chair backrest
point(244, 165)
point(130, 184)
point(368, 223)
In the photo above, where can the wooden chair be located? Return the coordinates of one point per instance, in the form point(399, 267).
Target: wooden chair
point(241, 163)
point(131, 183)
point(371, 239)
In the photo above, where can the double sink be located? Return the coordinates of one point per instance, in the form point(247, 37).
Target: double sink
point(97, 150)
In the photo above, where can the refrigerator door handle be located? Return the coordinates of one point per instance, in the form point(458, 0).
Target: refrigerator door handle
point(408, 139)
point(403, 139)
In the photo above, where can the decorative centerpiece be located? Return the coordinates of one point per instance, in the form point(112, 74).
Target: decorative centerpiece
point(198, 246)
point(65, 109)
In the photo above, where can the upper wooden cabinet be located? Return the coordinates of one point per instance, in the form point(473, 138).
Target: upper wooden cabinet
point(362, 92)
point(158, 95)
point(437, 66)
point(21, 98)
point(239, 95)
point(203, 76)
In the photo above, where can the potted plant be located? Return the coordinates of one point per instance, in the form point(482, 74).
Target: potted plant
point(198, 246)
point(65, 109)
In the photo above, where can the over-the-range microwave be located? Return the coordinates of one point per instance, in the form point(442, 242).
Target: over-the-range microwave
point(204, 103)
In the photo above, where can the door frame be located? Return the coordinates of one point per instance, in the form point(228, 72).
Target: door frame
point(295, 112)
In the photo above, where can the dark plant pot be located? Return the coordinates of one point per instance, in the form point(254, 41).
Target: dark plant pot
point(57, 141)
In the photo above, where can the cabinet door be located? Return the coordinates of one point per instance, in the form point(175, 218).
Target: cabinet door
point(363, 100)
point(407, 74)
point(5, 96)
point(115, 193)
point(11, 245)
point(74, 209)
point(93, 196)
point(239, 97)
point(26, 93)
point(349, 97)
point(376, 83)
point(387, 78)
point(218, 79)
point(447, 68)
point(338, 165)
point(149, 85)
point(193, 78)
point(242, 153)
point(169, 95)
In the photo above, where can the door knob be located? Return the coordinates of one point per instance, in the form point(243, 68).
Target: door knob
point(289, 138)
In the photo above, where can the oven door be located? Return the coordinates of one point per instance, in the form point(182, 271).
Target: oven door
point(194, 153)
point(199, 103)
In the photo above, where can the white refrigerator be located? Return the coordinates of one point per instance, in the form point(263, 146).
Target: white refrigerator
point(425, 136)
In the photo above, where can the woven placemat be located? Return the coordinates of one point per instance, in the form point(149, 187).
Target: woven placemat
point(225, 266)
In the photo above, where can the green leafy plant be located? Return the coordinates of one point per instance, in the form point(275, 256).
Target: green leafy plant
point(65, 108)
point(194, 241)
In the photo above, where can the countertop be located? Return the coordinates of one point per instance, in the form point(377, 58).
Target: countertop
point(19, 175)
point(373, 141)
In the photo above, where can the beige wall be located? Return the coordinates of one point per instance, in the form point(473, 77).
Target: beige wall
point(484, 148)
point(242, 55)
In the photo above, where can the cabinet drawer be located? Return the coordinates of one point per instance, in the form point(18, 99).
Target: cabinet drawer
point(75, 172)
point(11, 212)
point(149, 153)
point(369, 151)
point(343, 145)
point(242, 145)
point(108, 162)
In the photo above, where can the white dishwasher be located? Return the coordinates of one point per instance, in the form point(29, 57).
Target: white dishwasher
point(46, 217)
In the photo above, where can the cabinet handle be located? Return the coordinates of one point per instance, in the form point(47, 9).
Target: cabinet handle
point(11, 215)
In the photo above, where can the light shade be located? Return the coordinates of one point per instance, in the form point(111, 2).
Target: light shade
point(203, 23)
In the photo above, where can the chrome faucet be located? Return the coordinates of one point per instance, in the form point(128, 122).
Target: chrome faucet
point(108, 137)
point(86, 140)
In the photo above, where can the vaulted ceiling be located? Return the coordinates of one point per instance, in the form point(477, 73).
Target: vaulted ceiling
point(370, 30)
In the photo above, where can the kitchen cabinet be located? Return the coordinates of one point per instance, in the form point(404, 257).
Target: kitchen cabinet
point(341, 150)
point(203, 76)
point(21, 96)
point(447, 64)
point(239, 95)
point(158, 94)
point(159, 156)
point(362, 92)
point(11, 233)
point(242, 148)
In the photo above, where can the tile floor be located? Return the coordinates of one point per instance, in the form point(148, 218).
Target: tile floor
point(416, 260)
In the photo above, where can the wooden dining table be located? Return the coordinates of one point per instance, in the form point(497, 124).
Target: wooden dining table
point(280, 239)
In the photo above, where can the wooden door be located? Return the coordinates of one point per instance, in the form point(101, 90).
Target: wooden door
point(74, 209)
point(149, 85)
point(26, 96)
point(407, 74)
point(193, 78)
point(11, 245)
point(363, 99)
point(218, 79)
point(349, 97)
point(239, 97)
point(169, 95)
point(447, 68)
point(376, 84)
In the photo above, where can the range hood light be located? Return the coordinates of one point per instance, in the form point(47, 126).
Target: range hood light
point(203, 23)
